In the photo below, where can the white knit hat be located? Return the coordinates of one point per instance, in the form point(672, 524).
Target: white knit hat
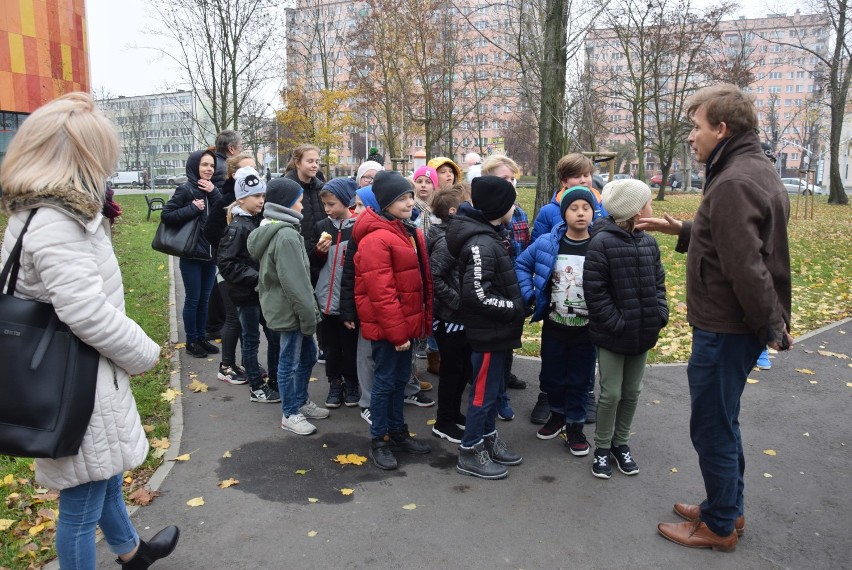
point(623, 199)
point(369, 165)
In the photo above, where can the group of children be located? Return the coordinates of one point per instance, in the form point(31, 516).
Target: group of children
point(399, 260)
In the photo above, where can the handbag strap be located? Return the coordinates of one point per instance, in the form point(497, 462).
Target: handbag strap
point(13, 264)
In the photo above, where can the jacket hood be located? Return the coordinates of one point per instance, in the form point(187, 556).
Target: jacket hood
point(607, 224)
point(192, 164)
point(264, 235)
point(79, 206)
point(467, 223)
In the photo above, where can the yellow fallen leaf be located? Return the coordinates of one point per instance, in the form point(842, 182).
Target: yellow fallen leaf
point(180, 345)
point(752, 380)
point(674, 469)
point(160, 443)
point(430, 422)
point(655, 401)
point(409, 507)
point(197, 386)
point(302, 471)
point(128, 480)
point(161, 267)
point(37, 529)
point(770, 452)
point(834, 354)
point(312, 379)
point(813, 381)
point(313, 500)
point(196, 502)
point(350, 459)
point(347, 492)
point(184, 457)
point(226, 455)
point(805, 371)
point(170, 395)
point(8, 479)
point(147, 428)
point(312, 533)
point(768, 475)
point(228, 483)
point(6, 524)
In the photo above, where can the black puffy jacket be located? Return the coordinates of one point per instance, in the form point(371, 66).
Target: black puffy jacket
point(312, 208)
point(492, 310)
point(180, 210)
point(235, 264)
point(625, 288)
point(348, 312)
point(445, 277)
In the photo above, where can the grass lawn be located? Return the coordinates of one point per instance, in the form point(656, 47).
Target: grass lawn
point(821, 262)
point(27, 512)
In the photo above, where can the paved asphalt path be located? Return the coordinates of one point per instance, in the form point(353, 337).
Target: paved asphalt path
point(549, 513)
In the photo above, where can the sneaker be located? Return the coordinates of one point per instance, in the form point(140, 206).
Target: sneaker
point(541, 411)
point(402, 441)
point(230, 375)
point(313, 412)
point(195, 349)
point(419, 399)
point(297, 424)
point(451, 432)
point(601, 468)
point(498, 451)
point(381, 454)
point(365, 415)
point(763, 362)
point(624, 460)
point(335, 394)
point(504, 410)
point(476, 462)
point(209, 347)
point(265, 395)
point(515, 383)
point(553, 427)
point(461, 420)
point(320, 357)
point(352, 394)
point(577, 443)
point(592, 408)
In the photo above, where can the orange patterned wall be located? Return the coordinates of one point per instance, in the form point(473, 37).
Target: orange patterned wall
point(43, 52)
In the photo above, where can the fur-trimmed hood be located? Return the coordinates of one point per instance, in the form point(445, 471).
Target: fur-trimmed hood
point(79, 206)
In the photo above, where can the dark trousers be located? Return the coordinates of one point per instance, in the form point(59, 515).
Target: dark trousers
point(566, 376)
point(215, 314)
point(231, 329)
point(392, 372)
point(198, 280)
point(488, 378)
point(340, 346)
point(717, 373)
point(251, 320)
point(455, 372)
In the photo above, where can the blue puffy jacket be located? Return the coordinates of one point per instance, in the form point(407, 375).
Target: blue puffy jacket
point(549, 216)
point(534, 267)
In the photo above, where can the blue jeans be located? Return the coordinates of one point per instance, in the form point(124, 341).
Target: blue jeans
point(567, 372)
point(251, 319)
point(717, 372)
point(488, 377)
point(297, 358)
point(391, 374)
point(198, 280)
point(81, 509)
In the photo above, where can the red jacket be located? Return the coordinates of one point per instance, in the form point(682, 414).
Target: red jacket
point(393, 282)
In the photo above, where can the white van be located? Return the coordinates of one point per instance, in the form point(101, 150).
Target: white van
point(126, 178)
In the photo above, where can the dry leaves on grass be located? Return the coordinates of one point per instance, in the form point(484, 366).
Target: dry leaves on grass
point(170, 394)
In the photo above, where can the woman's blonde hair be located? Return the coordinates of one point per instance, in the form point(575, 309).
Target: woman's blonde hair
point(233, 162)
point(495, 161)
point(65, 144)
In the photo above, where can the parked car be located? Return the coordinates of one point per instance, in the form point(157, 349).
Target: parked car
point(161, 180)
point(793, 186)
point(676, 180)
point(126, 178)
point(621, 177)
point(655, 181)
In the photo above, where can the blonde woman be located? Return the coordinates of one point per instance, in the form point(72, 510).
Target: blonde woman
point(55, 170)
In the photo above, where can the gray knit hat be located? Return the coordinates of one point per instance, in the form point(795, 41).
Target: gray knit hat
point(623, 199)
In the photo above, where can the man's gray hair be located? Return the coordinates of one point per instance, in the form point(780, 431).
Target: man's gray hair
point(225, 139)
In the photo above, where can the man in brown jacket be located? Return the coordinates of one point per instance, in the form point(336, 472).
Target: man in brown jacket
point(738, 300)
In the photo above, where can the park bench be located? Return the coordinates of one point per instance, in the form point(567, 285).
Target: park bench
point(154, 204)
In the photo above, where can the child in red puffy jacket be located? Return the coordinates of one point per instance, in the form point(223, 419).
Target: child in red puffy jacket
point(393, 297)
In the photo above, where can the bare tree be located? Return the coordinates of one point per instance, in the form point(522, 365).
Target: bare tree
point(733, 55)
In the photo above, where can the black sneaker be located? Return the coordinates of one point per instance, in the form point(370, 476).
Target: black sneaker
point(624, 460)
point(335, 394)
point(419, 399)
point(352, 394)
point(541, 412)
point(195, 349)
point(381, 454)
point(592, 409)
point(553, 427)
point(265, 395)
point(515, 383)
point(451, 432)
point(209, 347)
point(577, 443)
point(402, 441)
point(601, 468)
point(230, 374)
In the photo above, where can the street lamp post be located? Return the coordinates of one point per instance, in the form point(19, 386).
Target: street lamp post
point(277, 139)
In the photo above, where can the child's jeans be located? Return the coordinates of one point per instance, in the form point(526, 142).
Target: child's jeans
point(621, 385)
point(487, 385)
point(297, 358)
point(391, 374)
point(251, 319)
point(566, 372)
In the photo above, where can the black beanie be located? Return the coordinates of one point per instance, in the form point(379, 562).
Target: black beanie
point(572, 195)
point(388, 186)
point(492, 195)
point(283, 192)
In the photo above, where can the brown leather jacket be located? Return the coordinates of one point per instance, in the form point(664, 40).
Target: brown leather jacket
point(738, 266)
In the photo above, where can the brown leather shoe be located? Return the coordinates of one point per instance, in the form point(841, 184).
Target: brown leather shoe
point(692, 512)
point(425, 386)
point(433, 362)
point(697, 535)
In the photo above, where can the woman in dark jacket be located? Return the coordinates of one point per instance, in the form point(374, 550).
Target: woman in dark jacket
point(304, 169)
point(191, 200)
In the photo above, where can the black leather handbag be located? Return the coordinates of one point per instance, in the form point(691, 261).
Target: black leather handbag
point(180, 241)
point(48, 377)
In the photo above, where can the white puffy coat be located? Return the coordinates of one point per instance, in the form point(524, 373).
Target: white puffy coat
point(68, 260)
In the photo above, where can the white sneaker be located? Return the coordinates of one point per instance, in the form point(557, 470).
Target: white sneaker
point(365, 414)
point(312, 411)
point(298, 424)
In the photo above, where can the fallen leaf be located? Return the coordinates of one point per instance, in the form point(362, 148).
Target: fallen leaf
point(302, 471)
point(312, 379)
point(160, 443)
point(674, 469)
point(143, 496)
point(197, 386)
point(128, 480)
point(805, 371)
point(346, 492)
point(180, 345)
point(655, 401)
point(226, 455)
point(806, 434)
point(313, 500)
point(6, 524)
point(158, 453)
point(196, 502)
point(37, 529)
point(147, 428)
point(170, 395)
point(184, 457)
point(834, 354)
point(8, 479)
point(813, 381)
point(430, 422)
point(312, 533)
point(325, 445)
point(228, 483)
point(769, 452)
point(350, 459)
point(752, 380)
point(768, 475)
point(161, 267)
point(409, 507)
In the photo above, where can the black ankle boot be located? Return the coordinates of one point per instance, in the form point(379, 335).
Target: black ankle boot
point(160, 546)
point(402, 441)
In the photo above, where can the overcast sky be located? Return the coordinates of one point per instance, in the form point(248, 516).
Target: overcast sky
point(119, 64)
